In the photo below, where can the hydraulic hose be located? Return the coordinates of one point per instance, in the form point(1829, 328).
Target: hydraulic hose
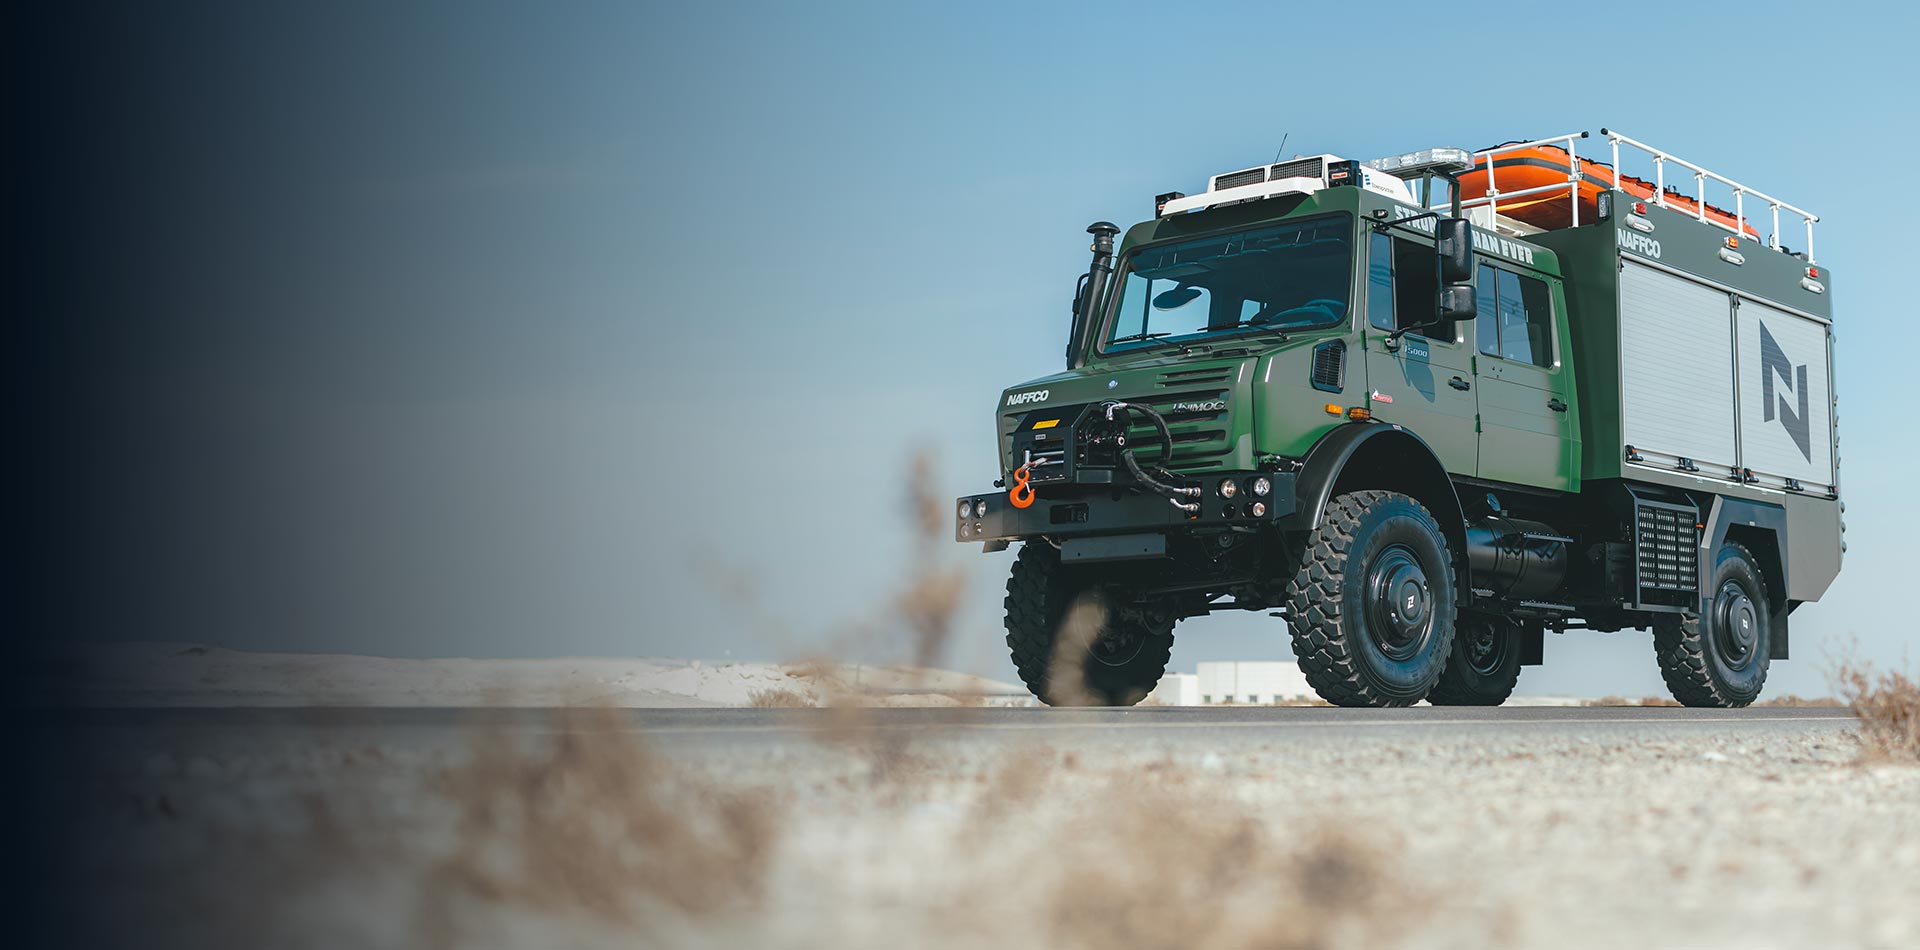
point(1172, 493)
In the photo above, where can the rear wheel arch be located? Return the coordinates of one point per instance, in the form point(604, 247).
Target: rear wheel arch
point(1762, 530)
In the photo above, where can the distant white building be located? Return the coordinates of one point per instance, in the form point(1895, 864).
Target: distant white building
point(1176, 689)
point(1241, 682)
point(1251, 683)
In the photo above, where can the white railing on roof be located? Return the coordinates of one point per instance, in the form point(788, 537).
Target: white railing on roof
point(1700, 177)
point(1491, 200)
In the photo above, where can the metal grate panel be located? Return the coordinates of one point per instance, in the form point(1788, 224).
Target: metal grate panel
point(1667, 547)
point(1330, 366)
point(1251, 176)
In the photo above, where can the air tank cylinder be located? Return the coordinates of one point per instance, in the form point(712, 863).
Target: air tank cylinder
point(1516, 559)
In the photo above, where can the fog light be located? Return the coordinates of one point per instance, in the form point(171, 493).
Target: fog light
point(1258, 508)
point(1262, 487)
point(1228, 489)
point(964, 529)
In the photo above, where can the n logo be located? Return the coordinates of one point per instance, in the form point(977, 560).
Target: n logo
point(1774, 362)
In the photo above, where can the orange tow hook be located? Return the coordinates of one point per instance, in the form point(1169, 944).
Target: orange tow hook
point(1021, 494)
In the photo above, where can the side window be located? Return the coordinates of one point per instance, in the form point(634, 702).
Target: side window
point(1516, 316)
point(1486, 300)
point(1401, 284)
point(1539, 306)
point(1380, 282)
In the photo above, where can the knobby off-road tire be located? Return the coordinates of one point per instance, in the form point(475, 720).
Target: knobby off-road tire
point(1371, 609)
point(1484, 666)
point(1720, 660)
point(1072, 644)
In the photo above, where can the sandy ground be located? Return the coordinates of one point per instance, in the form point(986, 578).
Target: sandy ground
point(178, 674)
point(853, 830)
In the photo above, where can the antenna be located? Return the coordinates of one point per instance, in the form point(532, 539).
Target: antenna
point(1282, 148)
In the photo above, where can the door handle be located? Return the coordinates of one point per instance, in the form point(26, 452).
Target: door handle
point(1556, 405)
point(1459, 384)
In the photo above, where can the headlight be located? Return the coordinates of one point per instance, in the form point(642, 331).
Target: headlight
point(980, 508)
point(966, 508)
point(1262, 487)
point(965, 529)
point(1258, 508)
point(1228, 489)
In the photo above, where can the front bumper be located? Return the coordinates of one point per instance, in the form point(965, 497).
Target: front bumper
point(1074, 511)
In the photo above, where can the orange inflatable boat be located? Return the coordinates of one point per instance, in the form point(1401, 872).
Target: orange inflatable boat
point(1547, 165)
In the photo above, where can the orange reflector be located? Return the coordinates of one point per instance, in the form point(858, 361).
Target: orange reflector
point(1335, 410)
point(1046, 424)
point(1359, 414)
point(1733, 241)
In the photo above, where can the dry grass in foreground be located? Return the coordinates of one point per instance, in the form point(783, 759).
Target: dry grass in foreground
point(599, 823)
point(603, 827)
point(778, 699)
point(1888, 707)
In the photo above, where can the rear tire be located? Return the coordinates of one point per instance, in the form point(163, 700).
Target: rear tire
point(1485, 664)
point(1073, 642)
point(1720, 660)
point(1372, 607)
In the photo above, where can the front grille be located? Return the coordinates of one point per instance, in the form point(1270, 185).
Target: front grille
point(1667, 545)
point(1330, 366)
point(1298, 168)
point(1251, 176)
point(1200, 436)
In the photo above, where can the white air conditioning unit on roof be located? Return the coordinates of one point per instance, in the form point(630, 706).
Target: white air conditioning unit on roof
point(1298, 176)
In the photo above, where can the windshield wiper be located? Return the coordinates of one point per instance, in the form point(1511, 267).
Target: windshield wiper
point(1135, 338)
point(1267, 328)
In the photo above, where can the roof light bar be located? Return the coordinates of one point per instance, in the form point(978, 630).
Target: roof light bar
point(1427, 161)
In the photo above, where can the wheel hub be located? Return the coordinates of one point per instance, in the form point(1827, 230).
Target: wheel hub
point(1483, 647)
point(1399, 602)
point(1737, 622)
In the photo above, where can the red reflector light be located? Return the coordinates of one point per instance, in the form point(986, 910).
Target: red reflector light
point(1813, 272)
point(1639, 207)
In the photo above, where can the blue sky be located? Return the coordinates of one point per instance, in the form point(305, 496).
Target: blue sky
point(587, 313)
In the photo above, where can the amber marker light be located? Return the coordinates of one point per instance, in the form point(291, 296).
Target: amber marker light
point(1359, 414)
point(1334, 410)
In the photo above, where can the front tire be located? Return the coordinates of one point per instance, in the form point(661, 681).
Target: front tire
point(1371, 608)
point(1720, 660)
point(1073, 641)
point(1485, 665)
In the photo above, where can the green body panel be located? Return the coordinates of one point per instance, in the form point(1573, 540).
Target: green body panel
point(1591, 258)
point(1498, 427)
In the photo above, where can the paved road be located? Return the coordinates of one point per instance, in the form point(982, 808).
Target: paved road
point(1305, 725)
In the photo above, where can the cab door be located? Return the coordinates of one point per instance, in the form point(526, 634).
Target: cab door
point(1527, 421)
point(1425, 384)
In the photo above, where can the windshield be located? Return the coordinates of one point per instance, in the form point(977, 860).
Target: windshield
point(1292, 277)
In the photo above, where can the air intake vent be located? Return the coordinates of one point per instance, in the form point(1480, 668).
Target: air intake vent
point(1190, 377)
point(1666, 544)
point(1330, 366)
point(1251, 176)
point(1298, 168)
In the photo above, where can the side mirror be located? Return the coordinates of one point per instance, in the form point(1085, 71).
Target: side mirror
point(1453, 242)
point(1457, 304)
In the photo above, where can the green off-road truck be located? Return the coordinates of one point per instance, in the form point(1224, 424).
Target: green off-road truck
point(1425, 421)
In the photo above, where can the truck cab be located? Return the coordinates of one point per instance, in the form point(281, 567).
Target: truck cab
point(1422, 435)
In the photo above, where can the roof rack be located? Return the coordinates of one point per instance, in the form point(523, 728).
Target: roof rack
point(1700, 176)
point(1611, 178)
